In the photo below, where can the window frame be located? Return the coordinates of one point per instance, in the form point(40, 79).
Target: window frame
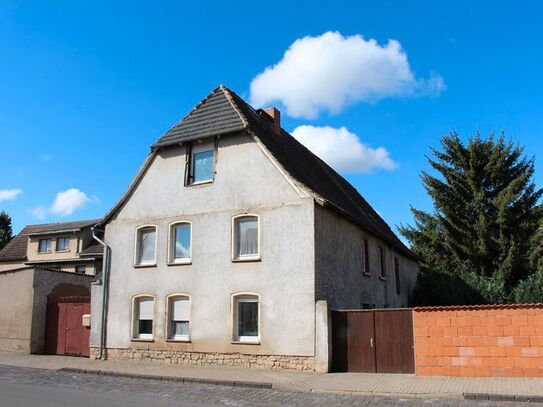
point(62, 238)
point(137, 245)
point(257, 256)
point(235, 299)
point(193, 148)
point(382, 263)
point(135, 335)
point(397, 275)
point(366, 271)
point(168, 326)
point(171, 236)
point(49, 250)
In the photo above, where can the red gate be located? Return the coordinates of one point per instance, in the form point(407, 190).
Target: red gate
point(65, 333)
point(373, 341)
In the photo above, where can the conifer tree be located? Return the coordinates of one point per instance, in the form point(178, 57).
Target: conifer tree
point(486, 215)
point(6, 232)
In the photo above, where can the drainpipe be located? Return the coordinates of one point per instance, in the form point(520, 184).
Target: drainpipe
point(105, 293)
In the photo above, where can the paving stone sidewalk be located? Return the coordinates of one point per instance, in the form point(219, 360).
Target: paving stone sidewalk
point(349, 383)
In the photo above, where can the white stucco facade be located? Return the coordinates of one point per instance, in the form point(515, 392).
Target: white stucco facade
point(302, 260)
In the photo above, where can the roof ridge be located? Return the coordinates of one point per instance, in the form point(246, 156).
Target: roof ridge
point(62, 223)
point(196, 107)
point(228, 93)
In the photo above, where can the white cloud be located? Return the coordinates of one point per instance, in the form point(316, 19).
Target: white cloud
point(9, 194)
point(66, 203)
point(342, 150)
point(39, 212)
point(330, 71)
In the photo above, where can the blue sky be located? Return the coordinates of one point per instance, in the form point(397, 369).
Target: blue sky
point(87, 87)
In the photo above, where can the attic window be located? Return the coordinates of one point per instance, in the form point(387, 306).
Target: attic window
point(44, 246)
point(201, 163)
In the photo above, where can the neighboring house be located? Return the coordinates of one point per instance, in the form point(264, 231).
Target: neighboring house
point(40, 268)
point(232, 243)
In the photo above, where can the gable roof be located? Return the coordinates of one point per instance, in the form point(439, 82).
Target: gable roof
point(16, 248)
point(223, 112)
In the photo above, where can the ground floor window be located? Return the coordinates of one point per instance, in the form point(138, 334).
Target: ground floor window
point(143, 317)
point(246, 318)
point(179, 317)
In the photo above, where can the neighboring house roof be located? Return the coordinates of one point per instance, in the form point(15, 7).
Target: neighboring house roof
point(16, 248)
point(94, 248)
point(223, 112)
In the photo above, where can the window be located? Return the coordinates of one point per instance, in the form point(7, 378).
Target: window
point(246, 245)
point(382, 262)
point(201, 163)
point(179, 317)
point(63, 244)
point(246, 316)
point(44, 246)
point(80, 269)
point(180, 240)
point(146, 245)
point(397, 273)
point(366, 259)
point(143, 317)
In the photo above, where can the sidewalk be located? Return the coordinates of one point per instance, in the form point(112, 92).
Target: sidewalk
point(351, 383)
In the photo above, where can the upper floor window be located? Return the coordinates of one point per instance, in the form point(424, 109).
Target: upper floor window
point(397, 274)
point(180, 242)
point(201, 164)
point(143, 316)
point(246, 318)
point(146, 245)
point(246, 238)
point(44, 246)
point(366, 257)
point(179, 317)
point(382, 262)
point(63, 244)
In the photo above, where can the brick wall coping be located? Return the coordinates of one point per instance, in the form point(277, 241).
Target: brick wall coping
point(477, 307)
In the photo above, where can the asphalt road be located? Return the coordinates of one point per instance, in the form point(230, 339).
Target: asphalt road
point(25, 387)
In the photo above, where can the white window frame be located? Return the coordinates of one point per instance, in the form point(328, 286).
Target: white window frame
point(135, 335)
point(50, 245)
point(171, 243)
point(198, 148)
point(233, 237)
point(236, 298)
point(137, 246)
point(168, 335)
point(67, 249)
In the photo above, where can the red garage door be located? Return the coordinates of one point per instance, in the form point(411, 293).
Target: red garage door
point(65, 333)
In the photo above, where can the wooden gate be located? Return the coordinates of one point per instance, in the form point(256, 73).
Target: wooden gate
point(65, 333)
point(373, 341)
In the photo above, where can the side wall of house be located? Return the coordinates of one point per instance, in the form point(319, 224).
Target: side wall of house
point(246, 181)
point(339, 265)
point(16, 298)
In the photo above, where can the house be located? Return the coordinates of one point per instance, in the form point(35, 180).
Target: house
point(233, 242)
point(45, 277)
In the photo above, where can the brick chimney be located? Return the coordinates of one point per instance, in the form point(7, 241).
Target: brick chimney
point(275, 116)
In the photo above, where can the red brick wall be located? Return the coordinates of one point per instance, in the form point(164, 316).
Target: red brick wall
point(479, 340)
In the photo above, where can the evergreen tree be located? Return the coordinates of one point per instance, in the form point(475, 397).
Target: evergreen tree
point(6, 233)
point(485, 216)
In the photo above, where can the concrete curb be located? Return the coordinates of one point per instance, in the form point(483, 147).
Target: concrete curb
point(502, 397)
point(231, 383)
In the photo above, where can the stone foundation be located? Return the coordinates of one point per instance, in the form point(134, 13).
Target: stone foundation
point(208, 358)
